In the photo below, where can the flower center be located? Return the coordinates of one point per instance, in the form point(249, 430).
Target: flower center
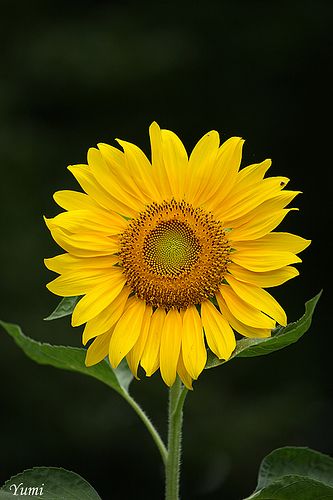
point(171, 248)
point(174, 255)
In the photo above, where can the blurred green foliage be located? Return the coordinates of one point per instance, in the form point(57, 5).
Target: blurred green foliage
point(77, 73)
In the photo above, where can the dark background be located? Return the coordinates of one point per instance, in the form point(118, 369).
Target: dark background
point(78, 73)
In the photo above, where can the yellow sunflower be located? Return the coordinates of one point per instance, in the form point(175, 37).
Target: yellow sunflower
point(172, 256)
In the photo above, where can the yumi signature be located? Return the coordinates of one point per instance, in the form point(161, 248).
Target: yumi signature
point(20, 489)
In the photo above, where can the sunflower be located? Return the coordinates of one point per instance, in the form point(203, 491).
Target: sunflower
point(172, 256)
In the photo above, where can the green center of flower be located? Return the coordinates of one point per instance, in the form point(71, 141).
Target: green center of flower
point(171, 248)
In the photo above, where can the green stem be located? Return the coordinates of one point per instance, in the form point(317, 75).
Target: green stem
point(151, 429)
point(177, 396)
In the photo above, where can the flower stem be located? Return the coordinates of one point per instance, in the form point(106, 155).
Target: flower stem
point(177, 394)
point(151, 429)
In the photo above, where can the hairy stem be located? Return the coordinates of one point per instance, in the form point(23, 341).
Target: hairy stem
point(177, 394)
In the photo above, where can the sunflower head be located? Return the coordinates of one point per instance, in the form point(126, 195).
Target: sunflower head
point(172, 256)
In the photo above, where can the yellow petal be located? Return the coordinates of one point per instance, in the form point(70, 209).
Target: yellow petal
point(159, 171)
point(242, 201)
point(90, 221)
point(258, 298)
point(243, 311)
point(106, 178)
point(261, 261)
point(258, 226)
point(150, 355)
point(185, 377)
point(134, 356)
point(126, 331)
point(113, 157)
point(70, 263)
point(272, 205)
point(89, 184)
point(98, 350)
point(73, 200)
point(98, 298)
point(252, 174)
point(77, 283)
point(202, 165)
point(176, 164)
point(119, 172)
point(264, 279)
point(276, 241)
point(193, 345)
point(170, 346)
point(140, 170)
point(106, 318)
point(225, 172)
point(84, 244)
point(247, 331)
point(219, 334)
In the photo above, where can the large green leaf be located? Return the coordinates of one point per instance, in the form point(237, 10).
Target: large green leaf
point(4, 495)
point(293, 473)
point(49, 483)
point(64, 308)
point(282, 337)
point(70, 358)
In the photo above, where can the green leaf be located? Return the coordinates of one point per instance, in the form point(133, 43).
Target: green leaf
point(293, 473)
point(281, 337)
point(49, 483)
point(70, 358)
point(64, 308)
point(4, 495)
point(123, 374)
point(298, 461)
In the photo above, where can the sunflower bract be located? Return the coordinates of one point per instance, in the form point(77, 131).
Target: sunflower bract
point(172, 256)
